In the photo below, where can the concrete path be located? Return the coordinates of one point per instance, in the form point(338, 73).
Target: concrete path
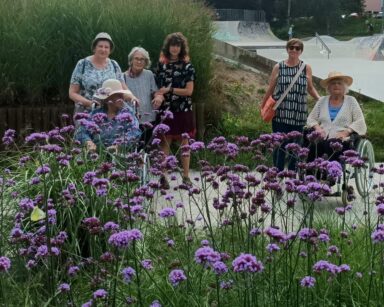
point(195, 208)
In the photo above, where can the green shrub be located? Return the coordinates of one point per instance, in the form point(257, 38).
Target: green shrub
point(45, 39)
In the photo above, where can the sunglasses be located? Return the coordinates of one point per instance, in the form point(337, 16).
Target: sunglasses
point(297, 48)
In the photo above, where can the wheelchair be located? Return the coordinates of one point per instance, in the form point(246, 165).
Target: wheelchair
point(362, 175)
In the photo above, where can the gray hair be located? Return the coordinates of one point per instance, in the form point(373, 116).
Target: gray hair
point(346, 87)
point(143, 52)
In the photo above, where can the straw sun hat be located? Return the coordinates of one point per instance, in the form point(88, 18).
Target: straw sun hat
point(336, 75)
point(109, 88)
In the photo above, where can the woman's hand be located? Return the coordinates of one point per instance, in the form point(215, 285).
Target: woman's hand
point(157, 101)
point(321, 131)
point(165, 90)
point(343, 134)
point(91, 146)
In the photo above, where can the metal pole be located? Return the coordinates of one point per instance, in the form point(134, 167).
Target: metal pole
point(289, 13)
point(382, 17)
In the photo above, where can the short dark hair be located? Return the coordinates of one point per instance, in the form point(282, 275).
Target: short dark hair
point(176, 39)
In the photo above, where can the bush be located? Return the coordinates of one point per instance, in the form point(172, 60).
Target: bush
point(45, 39)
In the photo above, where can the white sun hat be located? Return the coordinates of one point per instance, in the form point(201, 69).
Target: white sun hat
point(109, 88)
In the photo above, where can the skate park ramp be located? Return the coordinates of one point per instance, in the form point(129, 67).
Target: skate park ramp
point(246, 33)
point(362, 58)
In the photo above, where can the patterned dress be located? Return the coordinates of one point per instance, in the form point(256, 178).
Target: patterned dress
point(177, 74)
point(90, 78)
point(293, 110)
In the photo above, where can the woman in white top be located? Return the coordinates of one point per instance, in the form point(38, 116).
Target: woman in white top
point(336, 116)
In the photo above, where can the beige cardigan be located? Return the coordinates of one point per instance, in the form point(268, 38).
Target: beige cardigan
point(349, 116)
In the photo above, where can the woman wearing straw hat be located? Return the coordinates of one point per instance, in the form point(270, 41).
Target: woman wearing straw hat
point(92, 71)
point(113, 124)
point(335, 116)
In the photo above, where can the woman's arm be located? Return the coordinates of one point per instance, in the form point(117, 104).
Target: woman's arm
point(187, 91)
point(272, 84)
point(74, 90)
point(311, 89)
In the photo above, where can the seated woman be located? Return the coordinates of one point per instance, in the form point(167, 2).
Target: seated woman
point(112, 125)
point(335, 117)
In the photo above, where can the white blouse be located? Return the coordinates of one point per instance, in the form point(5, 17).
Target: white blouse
point(349, 116)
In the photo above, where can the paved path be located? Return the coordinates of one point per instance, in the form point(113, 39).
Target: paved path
point(195, 209)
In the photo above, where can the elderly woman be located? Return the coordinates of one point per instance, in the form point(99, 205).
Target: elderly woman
point(90, 73)
point(335, 117)
point(175, 78)
point(113, 124)
point(291, 115)
point(141, 82)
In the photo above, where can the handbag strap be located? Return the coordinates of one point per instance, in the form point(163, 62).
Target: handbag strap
point(302, 66)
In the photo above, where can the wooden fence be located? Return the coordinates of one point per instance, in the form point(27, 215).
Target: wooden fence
point(26, 119)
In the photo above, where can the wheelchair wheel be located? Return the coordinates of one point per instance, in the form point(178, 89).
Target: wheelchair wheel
point(145, 176)
point(364, 175)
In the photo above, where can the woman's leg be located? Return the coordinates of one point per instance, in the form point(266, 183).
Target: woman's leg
point(279, 153)
point(185, 158)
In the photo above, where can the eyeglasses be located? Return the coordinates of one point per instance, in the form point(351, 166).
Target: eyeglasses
point(297, 48)
point(139, 59)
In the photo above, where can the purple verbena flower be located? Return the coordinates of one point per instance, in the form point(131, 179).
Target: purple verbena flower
point(176, 277)
point(247, 263)
point(100, 294)
point(63, 288)
point(128, 274)
point(219, 267)
point(5, 264)
point(308, 282)
point(167, 212)
point(206, 254)
point(123, 238)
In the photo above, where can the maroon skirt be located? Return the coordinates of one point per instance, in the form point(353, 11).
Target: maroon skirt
point(182, 122)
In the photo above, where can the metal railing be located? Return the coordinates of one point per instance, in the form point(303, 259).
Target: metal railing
point(242, 15)
point(323, 44)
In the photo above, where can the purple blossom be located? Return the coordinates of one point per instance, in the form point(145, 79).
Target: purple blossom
point(147, 264)
point(323, 237)
point(197, 146)
point(128, 274)
point(9, 137)
point(5, 264)
point(176, 277)
point(226, 285)
point(123, 238)
point(26, 204)
point(155, 303)
point(219, 267)
point(255, 232)
point(166, 115)
point(111, 226)
point(160, 129)
point(100, 294)
point(124, 117)
point(323, 265)
point(44, 169)
point(36, 137)
point(73, 270)
point(63, 288)
point(206, 254)
point(276, 234)
point(272, 248)
point(167, 212)
point(247, 263)
point(308, 282)
point(378, 235)
point(51, 148)
point(380, 209)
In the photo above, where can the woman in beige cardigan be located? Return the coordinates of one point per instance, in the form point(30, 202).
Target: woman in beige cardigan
point(335, 117)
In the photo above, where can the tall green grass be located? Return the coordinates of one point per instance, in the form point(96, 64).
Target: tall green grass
point(42, 40)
